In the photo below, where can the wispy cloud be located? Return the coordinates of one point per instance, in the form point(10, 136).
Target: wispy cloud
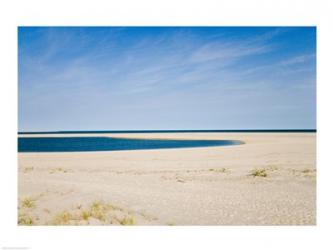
point(298, 59)
point(124, 68)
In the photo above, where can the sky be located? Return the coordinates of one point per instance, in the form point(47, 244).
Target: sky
point(160, 78)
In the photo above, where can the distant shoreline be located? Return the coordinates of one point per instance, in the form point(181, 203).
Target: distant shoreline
point(176, 131)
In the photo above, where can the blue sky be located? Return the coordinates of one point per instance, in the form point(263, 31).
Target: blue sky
point(118, 78)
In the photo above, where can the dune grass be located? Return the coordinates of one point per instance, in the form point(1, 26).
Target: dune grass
point(308, 171)
point(28, 203)
point(127, 221)
point(86, 214)
point(63, 218)
point(25, 220)
point(259, 173)
point(99, 210)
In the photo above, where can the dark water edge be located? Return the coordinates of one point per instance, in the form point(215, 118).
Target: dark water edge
point(175, 131)
point(85, 144)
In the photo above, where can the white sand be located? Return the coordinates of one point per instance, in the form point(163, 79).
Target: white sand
point(193, 186)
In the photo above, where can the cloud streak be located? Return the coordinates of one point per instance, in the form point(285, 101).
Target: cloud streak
point(117, 70)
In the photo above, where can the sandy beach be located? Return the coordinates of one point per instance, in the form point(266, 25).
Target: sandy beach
point(269, 180)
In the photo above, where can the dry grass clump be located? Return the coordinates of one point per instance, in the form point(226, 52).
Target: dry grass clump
point(63, 218)
point(308, 171)
point(97, 212)
point(28, 203)
point(86, 214)
point(127, 221)
point(259, 173)
point(25, 220)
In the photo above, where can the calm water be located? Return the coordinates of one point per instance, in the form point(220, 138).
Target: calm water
point(82, 144)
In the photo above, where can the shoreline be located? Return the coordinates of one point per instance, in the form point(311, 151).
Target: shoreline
point(187, 186)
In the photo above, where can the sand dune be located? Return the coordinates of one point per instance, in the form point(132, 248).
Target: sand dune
point(270, 180)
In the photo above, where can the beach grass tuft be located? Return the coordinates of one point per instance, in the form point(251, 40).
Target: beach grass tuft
point(86, 214)
point(259, 173)
point(308, 171)
point(28, 203)
point(96, 205)
point(97, 210)
point(127, 221)
point(62, 218)
point(25, 220)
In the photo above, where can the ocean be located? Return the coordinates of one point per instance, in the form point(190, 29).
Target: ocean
point(84, 144)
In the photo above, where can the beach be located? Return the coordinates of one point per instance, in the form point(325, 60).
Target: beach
point(269, 180)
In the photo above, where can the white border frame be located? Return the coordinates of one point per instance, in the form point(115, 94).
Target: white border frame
point(164, 13)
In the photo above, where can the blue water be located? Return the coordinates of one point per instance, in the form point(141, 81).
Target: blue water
point(83, 144)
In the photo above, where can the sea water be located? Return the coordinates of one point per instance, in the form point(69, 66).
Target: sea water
point(100, 143)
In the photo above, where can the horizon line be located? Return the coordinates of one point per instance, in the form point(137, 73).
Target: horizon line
point(164, 131)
